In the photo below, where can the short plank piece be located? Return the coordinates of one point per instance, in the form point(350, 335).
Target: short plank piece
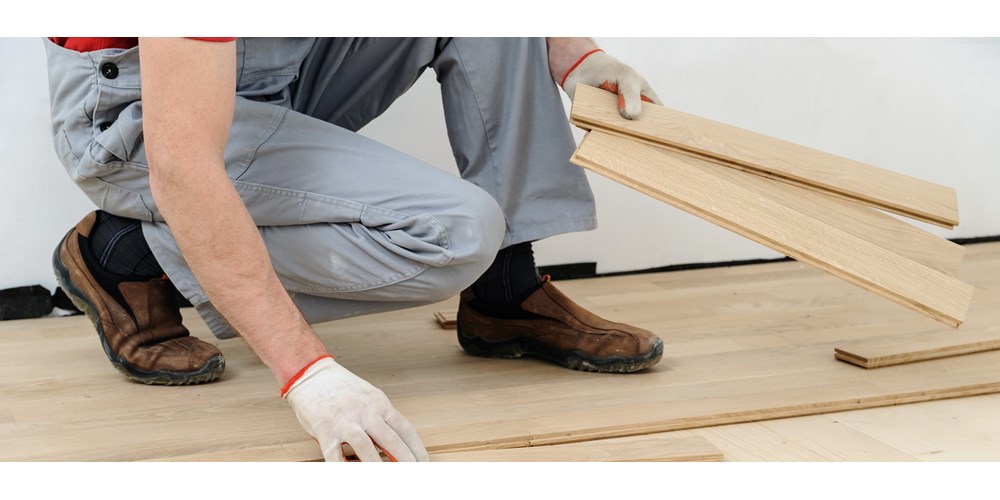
point(900, 349)
point(764, 155)
point(630, 449)
point(696, 186)
point(448, 320)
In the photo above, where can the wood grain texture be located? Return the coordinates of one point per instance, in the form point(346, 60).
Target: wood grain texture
point(812, 438)
point(743, 344)
point(899, 349)
point(758, 153)
point(774, 219)
point(961, 429)
point(656, 448)
point(864, 222)
point(964, 429)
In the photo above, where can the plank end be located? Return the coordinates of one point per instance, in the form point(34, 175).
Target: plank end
point(852, 358)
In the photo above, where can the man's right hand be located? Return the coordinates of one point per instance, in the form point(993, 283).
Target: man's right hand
point(336, 407)
point(189, 93)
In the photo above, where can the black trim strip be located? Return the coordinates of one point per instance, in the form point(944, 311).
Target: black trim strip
point(583, 270)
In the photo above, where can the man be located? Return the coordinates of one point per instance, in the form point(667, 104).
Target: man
point(232, 167)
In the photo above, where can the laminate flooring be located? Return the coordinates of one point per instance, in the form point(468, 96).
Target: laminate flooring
point(744, 346)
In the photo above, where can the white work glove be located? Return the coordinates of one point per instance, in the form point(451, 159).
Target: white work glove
point(598, 69)
point(336, 406)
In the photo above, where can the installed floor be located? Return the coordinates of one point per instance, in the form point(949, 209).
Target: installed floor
point(746, 346)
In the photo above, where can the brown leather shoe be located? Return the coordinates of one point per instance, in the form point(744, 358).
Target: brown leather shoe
point(139, 323)
point(557, 329)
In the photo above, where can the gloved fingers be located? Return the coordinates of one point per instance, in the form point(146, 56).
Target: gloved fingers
point(629, 97)
point(389, 442)
point(386, 453)
point(402, 427)
point(613, 88)
point(363, 446)
point(648, 95)
point(334, 452)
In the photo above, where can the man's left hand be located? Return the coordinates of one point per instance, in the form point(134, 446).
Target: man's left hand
point(601, 70)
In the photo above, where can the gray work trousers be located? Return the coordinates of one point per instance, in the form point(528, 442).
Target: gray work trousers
point(352, 226)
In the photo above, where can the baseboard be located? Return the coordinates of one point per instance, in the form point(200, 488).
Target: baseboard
point(584, 270)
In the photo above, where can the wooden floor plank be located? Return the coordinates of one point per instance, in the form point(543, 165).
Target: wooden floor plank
point(955, 430)
point(710, 191)
point(864, 222)
point(895, 350)
point(739, 363)
point(901, 194)
point(631, 449)
point(812, 438)
point(656, 448)
point(959, 429)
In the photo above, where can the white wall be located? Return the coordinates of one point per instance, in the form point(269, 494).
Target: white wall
point(929, 108)
point(38, 202)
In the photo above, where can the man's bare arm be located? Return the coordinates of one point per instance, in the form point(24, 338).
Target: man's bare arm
point(565, 52)
point(188, 92)
point(574, 61)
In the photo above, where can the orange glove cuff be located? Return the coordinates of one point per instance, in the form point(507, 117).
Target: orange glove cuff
point(288, 385)
point(577, 63)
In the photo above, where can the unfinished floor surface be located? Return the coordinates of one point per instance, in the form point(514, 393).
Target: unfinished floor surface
point(743, 344)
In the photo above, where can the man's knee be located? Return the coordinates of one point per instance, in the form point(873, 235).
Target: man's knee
point(484, 227)
point(476, 229)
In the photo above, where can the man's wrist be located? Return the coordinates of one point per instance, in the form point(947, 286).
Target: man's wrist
point(564, 53)
point(562, 81)
point(295, 378)
point(285, 350)
point(292, 363)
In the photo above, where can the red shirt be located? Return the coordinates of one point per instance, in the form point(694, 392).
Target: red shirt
point(81, 44)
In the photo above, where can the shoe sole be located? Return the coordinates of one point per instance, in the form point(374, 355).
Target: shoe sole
point(207, 373)
point(573, 360)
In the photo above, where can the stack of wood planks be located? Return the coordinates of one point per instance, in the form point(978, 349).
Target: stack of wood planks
point(813, 206)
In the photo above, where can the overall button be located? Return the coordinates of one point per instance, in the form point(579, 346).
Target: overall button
point(109, 70)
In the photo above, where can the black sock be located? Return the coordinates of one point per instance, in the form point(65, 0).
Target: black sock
point(120, 248)
point(509, 280)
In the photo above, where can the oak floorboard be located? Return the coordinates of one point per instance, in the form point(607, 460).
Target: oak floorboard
point(771, 157)
point(762, 211)
point(655, 448)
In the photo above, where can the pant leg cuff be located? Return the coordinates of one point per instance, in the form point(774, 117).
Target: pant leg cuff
point(533, 233)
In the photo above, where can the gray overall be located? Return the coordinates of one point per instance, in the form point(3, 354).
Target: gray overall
point(352, 226)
